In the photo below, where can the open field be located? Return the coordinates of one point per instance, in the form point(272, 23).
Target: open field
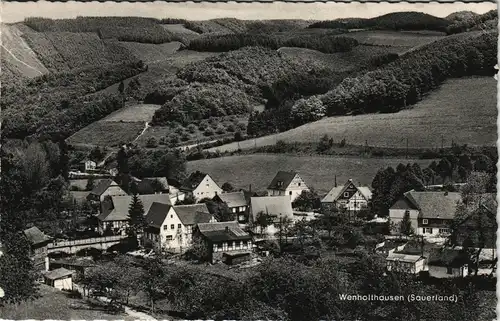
point(317, 171)
point(106, 134)
point(341, 61)
point(180, 31)
point(462, 110)
point(133, 113)
point(395, 38)
point(55, 305)
point(149, 52)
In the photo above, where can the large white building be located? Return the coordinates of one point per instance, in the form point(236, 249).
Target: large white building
point(170, 228)
point(287, 183)
point(200, 185)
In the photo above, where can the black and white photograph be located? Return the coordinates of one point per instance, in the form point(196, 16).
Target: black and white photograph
point(248, 161)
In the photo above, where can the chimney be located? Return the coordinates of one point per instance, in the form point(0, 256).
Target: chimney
point(446, 193)
point(250, 188)
point(335, 180)
point(227, 229)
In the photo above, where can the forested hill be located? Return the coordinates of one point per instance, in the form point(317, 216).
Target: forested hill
point(56, 73)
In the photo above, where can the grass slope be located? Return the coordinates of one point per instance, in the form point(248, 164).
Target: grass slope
point(463, 110)
point(106, 134)
point(55, 305)
point(405, 39)
point(133, 113)
point(317, 171)
point(150, 53)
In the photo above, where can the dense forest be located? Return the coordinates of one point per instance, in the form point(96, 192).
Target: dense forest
point(390, 21)
point(327, 43)
point(488, 20)
point(62, 103)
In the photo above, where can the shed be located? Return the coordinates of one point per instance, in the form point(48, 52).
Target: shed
point(61, 279)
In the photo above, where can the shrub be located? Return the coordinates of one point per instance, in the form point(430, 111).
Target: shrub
point(238, 136)
point(230, 128)
point(185, 137)
point(220, 130)
point(192, 128)
point(174, 140)
point(151, 143)
point(208, 132)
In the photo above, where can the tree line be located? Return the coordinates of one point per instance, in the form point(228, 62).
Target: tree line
point(391, 21)
point(474, 23)
point(327, 43)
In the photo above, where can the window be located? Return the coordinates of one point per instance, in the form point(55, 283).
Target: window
point(444, 230)
point(449, 270)
point(427, 230)
point(179, 225)
point(172, 226)
point(224, 246)
point(346, 194)
point(290, 192)
point(208, 185)
point(299, 184)
point(169, 238)
point(425, 221)
point(238, 245)
point(165, 227)
point(234, 209)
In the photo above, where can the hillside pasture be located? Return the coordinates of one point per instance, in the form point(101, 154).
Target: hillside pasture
point(133, 113)
point(150, 53)
point(181, 32)
point(317, 171)
point(340, 61)
point(462, 110)
point(398, 39)
point(106, 134)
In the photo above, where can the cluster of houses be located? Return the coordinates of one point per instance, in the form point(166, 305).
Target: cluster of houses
point(174, 228)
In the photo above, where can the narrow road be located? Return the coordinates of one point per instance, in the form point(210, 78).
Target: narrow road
point(20, 61)
point(146, 126)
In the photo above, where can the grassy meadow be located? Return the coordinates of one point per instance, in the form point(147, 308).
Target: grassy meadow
point(462, 110)
point(317, 171)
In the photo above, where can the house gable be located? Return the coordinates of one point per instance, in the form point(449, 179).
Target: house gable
point(347, 192)
point(206, 188)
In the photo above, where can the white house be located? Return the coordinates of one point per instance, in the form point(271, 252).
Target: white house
point(60, 279)
point(170, 228)
point(236, 202)
point(200, 185)
point(287, 183)
point(87, 165)
point(447, 263)
point(350, 196)
point(430, 212)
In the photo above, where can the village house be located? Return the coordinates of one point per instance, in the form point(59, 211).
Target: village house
point(200, 185)
point(287, 183)
point(430, 212)
point(60, 278)
point(78, 265)
point(350, 196)
point(224, 241)
point(447, 263)
point(106, 187)
point(87, 166)
point(277, 207)
point(114, 211)
point(170, 228)
point(38, 242)
point(236, 202)
point(401, 259)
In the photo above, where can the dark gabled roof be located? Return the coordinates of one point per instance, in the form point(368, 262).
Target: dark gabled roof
point(35, 236)
point(145, 186)
point(440, 205)
point(447, 257)
point(234, 199)
point(58, 274)
point(193, 181)
point(193, 214)
point(282, 180)
point(156, 214)
point(102, 186)
point(223, 231)
point(116, 207)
